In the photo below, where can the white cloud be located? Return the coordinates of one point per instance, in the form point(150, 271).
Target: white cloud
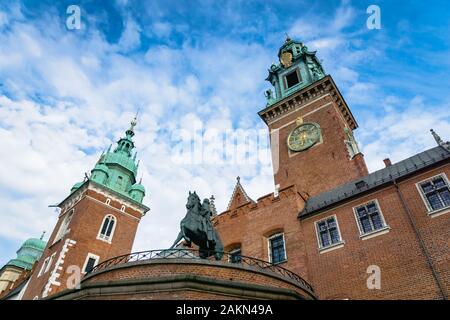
point(131, 35)
point(69, 96)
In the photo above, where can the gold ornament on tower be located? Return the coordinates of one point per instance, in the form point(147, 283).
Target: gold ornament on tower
point(286, 59)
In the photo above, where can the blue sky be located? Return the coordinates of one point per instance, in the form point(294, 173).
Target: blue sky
point(65, 95)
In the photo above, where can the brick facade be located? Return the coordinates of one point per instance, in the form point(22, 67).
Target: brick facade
point(406, 252)
point(186, 279)
point(90, 208)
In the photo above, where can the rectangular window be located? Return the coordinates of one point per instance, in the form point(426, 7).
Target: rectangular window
point(49, 263)
point(277, 248)
point(44, 266)
point(235, 256)
point(436, 193)
point(292, 78)
point(328, 232)
point(369, 218)
point(90, 263)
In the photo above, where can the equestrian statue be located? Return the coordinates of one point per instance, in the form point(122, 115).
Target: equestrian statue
point(196, 227)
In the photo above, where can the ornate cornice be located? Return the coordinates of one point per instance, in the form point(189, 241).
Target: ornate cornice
point(300, 98)
point(77, 195)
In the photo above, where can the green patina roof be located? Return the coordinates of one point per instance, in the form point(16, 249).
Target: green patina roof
point(302, 61)
point(35, 243)
point(138, 186)
point(117, 169)
point(76, 186)
point(101, 167)
point(30, 251)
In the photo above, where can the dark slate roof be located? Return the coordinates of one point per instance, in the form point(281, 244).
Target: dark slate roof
point(374, 180)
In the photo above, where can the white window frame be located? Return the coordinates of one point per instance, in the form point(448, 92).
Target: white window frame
point(123, 208)
point(337, 245)
point(49, 263)
point(64, 227)
point(433, 213)
point(269, 247)
point(93, 256)
point(108, 201)
point(43, 267)
point(367, 235)
point(110, 237)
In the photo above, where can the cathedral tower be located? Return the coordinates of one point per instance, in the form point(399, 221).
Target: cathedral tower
point(97, 221)
point(310, 124)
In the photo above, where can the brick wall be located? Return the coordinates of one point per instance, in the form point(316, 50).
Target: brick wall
point(84, 227)
point(314, 171)
point(186, 279)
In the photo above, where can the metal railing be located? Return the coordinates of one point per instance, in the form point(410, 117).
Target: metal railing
point(194, 254)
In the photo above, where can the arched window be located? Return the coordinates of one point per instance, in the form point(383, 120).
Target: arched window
point(107, 228)
point(108, 201)
point(64, 225)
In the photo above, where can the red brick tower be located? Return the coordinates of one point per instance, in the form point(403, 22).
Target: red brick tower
point(97, 221)
point(310, 124)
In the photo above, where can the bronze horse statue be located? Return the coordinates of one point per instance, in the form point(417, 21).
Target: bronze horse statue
point(196, 227)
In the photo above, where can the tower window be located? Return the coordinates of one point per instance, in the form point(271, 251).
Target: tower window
point(90, 262)
point(107, 228)
point(277, 248)
point(436, 193)
point(328, 233)
point(64, 226)
point(119, 182)
point(292, 78)
point(369, 218)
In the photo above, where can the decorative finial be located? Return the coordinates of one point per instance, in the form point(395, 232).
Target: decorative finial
point(238, 179)
point(287, 37)
point(212, 205)
point(133, 123)
point(437, 138)
point(42, 236)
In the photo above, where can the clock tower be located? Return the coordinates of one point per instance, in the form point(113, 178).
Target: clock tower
point(311, 126)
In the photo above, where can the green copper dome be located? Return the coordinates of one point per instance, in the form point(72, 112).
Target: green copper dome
point(30, 251)
point(297, 68)
point(76, 186)
point(138, 187)
point(101, 167)
point(117, 169)
point(35, 243)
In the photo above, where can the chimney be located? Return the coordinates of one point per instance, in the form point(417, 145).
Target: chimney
point(387, 162)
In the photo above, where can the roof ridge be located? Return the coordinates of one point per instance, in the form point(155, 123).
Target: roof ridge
point(374, 179)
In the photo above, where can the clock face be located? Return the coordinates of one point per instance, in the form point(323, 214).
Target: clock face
point(303, 137)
